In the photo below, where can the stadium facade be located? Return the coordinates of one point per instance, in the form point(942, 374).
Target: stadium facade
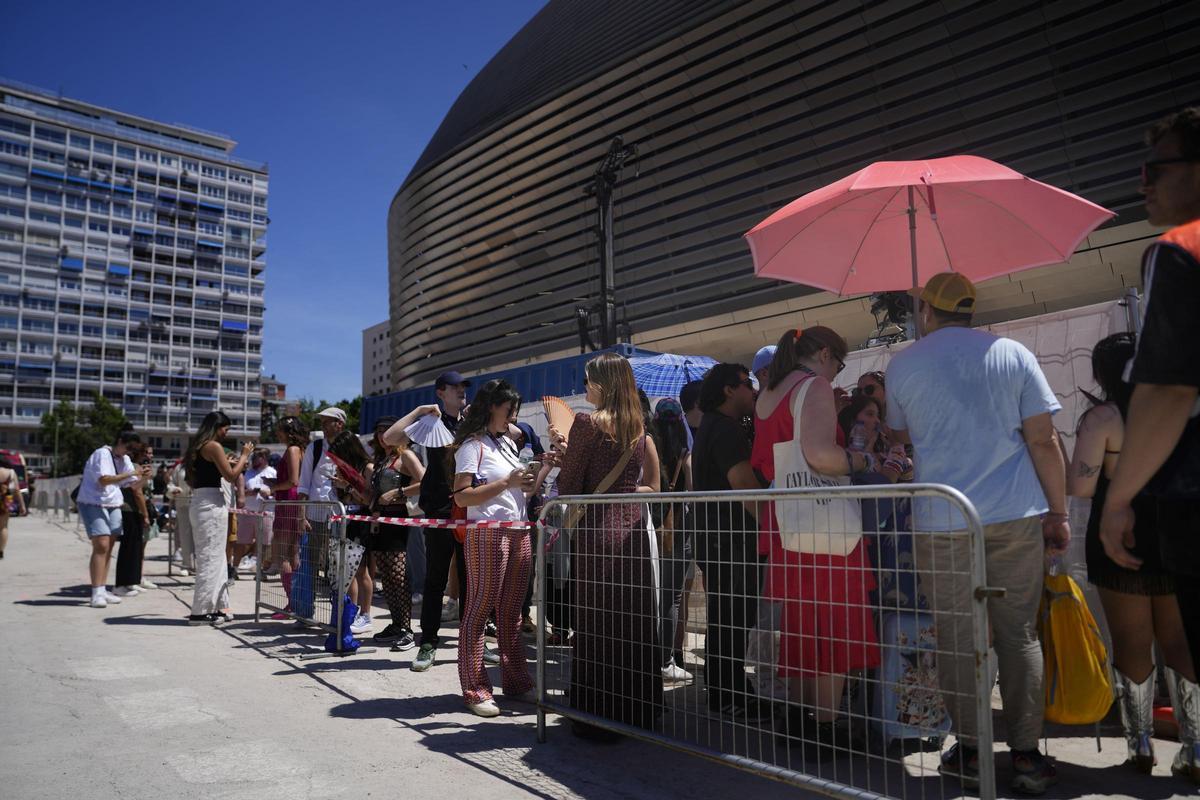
point(737, 108)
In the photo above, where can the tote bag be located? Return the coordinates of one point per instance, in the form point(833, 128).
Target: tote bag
point(824, 526)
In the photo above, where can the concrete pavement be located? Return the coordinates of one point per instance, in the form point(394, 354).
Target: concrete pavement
point(130, 702)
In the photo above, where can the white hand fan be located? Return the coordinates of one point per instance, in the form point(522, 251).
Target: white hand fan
point(428, 431)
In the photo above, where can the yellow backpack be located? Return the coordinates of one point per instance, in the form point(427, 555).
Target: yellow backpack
point(1078, 687)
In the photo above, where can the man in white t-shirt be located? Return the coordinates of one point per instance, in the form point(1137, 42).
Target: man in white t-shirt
point(257, 499)
point(99, 501)
point(977, 410)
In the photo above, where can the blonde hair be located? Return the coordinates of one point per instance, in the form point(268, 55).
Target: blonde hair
point(619, 412)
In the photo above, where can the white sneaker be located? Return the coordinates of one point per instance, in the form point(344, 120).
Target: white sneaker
point(177, 556)
point(361, 625)
point(126, 591)
point(184, 573)
point(675, 674)
point(450, 611)
point(487, 708)
point(99, 601)
point(111, 598)
point(247, 564)
point(416, 598)
point(147, 584)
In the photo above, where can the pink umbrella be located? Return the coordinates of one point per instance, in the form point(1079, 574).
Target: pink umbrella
point(961, 213)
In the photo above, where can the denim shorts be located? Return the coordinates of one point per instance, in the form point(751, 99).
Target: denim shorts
point(100, 521)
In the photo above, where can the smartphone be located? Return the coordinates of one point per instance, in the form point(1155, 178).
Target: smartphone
point(534, 467)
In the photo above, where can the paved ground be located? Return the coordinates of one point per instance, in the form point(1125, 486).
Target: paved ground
point(129, 702)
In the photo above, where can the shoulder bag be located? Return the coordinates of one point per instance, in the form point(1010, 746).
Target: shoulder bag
point(825, 526)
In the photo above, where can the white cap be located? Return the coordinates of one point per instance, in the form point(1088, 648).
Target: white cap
point(333, 412)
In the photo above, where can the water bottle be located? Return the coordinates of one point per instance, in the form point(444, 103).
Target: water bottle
point(858, 437)
point(526, 455)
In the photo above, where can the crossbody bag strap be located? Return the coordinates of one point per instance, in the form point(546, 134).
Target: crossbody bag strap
point(575, 512)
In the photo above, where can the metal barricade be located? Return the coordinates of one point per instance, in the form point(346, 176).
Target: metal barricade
point(308, 547)
point(812, 659)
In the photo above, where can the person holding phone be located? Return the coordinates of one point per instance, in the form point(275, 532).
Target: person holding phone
point(491, 484)
point(107, 469)
point(206, 464)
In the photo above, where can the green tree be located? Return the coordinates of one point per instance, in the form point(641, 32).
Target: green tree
point(79, 431)
point(309, 409)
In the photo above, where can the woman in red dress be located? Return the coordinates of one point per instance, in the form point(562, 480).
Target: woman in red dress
point(827, 628)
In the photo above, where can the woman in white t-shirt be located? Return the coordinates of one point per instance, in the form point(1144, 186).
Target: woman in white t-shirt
point(107, 469)
point(491, 484)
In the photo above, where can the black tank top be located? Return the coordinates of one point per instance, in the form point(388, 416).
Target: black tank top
point(207, 476)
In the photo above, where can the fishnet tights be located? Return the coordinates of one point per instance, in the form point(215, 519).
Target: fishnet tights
point(393, 568)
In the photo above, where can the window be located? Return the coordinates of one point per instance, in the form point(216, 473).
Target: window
point(14, 125)
point(44, 216)
point(96, 225)
point(167, 161)
point(126, 152)
point(148, 155)
point(98, 206)
point(191, 166)
point(50, 134)
point(13, 148)
point(212, 191)
point(43, 196)
point(212, 172)
point(81, 141)
point(76, 202)
point(49, 157)
point(121, 210)
point(102, 146)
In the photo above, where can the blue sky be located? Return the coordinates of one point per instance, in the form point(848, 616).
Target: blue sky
point(339, 104)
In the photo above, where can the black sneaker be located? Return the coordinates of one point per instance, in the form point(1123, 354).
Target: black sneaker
point(961, 762)
point(746, 711)
point(405, 642)
point(199, 619)
point(1033, 773)
point(389, 634)
point(489, 630)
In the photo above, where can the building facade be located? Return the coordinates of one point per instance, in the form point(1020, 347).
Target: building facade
point(132, 259)
point(737, 108)
point(377, 359)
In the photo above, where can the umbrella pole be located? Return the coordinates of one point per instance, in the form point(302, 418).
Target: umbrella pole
point(912, 245)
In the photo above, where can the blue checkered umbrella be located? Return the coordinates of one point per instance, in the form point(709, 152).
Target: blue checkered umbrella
point(665, 374)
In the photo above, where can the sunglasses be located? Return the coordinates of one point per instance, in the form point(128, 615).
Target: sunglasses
point(868, 390)
point(749, 384)
point(1152, 169)
point(841, 365)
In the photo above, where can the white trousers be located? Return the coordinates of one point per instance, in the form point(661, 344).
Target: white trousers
point(210, 531)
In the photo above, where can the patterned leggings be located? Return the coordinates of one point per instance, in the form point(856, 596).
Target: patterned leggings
point(393, 569)
point(498, 564)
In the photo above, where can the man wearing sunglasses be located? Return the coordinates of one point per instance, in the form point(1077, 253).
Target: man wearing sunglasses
point(1161, 455)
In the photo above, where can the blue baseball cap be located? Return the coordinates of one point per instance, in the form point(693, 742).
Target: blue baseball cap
point(762, 359)
point(450, 378)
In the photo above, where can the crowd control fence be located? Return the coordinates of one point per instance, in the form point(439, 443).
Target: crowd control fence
point(838, 662)
point(310, 566)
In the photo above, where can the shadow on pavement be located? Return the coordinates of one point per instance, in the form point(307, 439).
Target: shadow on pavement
point(82, 602)
point(138, 619)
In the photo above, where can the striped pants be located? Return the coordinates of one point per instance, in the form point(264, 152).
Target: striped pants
point(498, 563)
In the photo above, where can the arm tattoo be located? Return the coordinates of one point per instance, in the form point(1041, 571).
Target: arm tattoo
point(1087, 471)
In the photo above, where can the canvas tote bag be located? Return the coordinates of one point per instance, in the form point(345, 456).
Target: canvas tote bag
point(825, 526)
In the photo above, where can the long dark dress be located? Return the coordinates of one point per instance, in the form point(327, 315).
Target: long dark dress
point(615, 665)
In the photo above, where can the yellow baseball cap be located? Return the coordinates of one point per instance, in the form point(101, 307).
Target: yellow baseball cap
point(950, 292)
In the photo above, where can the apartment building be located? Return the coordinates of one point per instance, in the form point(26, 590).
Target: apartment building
point(132, 259)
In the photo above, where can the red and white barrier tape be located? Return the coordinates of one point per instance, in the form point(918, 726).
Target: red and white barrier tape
point(423, 522)
point(411, 522)
point(245, 512)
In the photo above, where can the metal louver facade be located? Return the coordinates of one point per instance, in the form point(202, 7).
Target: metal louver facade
point(738, 108)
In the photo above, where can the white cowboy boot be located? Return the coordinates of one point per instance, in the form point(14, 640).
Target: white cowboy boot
point(1137, 718)
point(1185, 701)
